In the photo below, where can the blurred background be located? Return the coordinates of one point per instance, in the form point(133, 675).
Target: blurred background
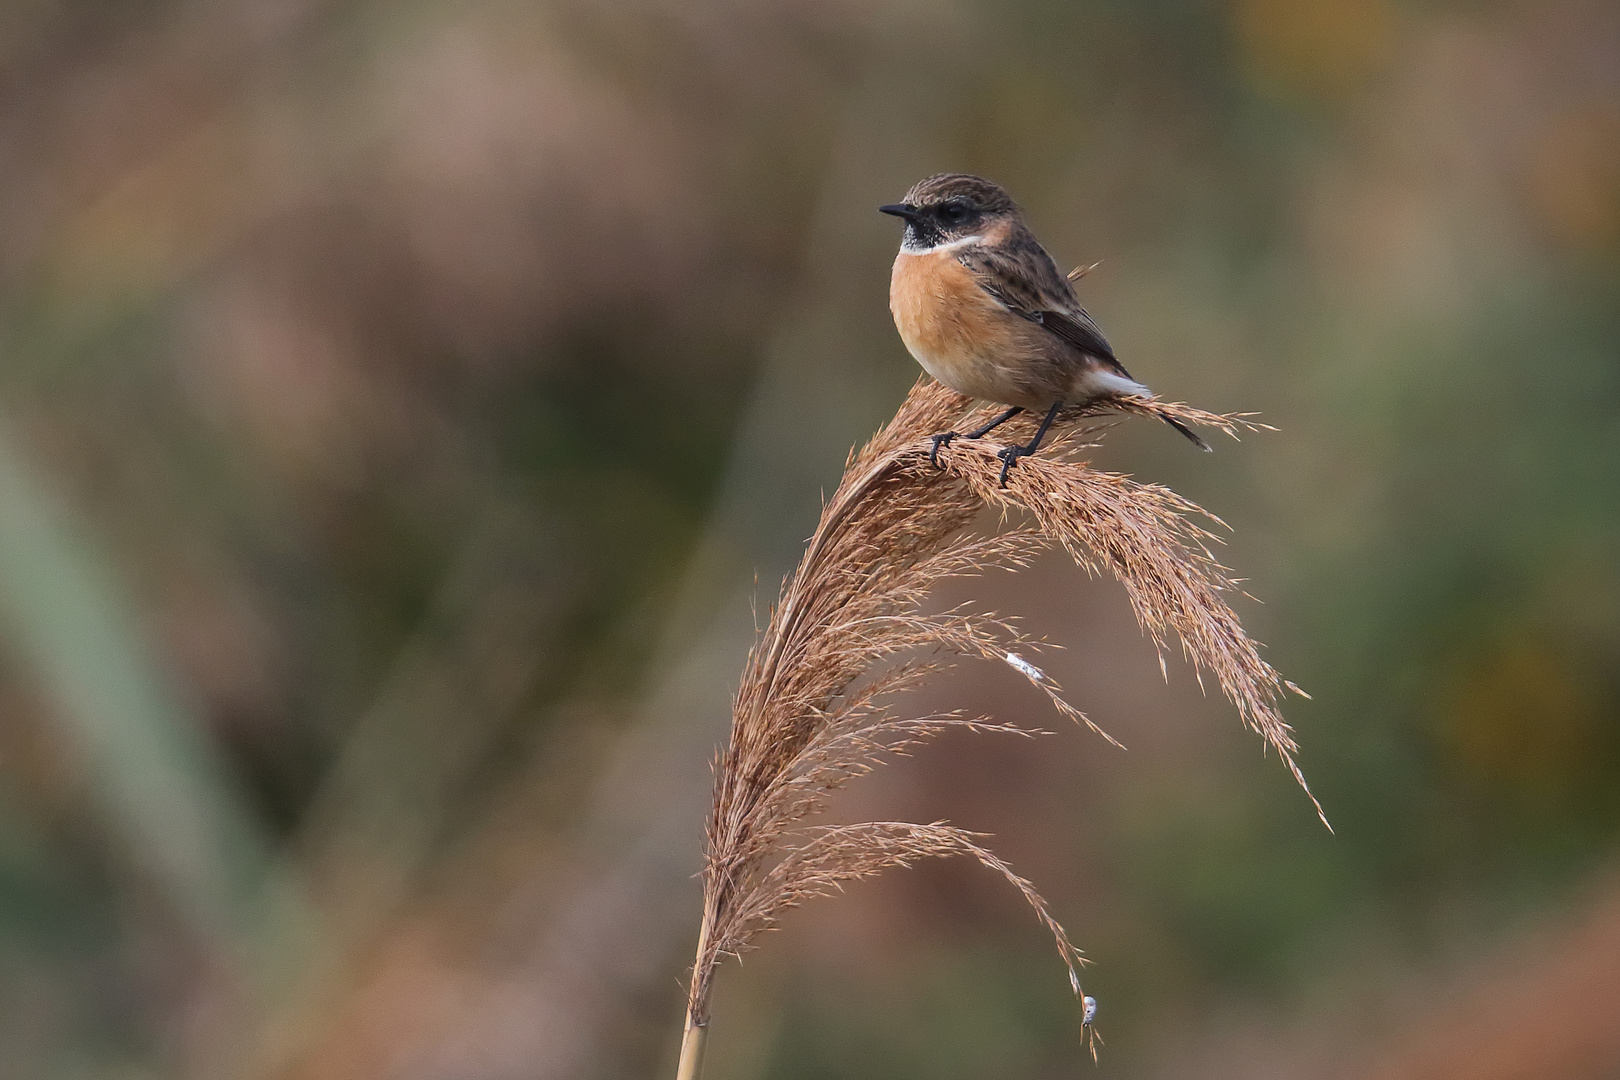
point(403, 406)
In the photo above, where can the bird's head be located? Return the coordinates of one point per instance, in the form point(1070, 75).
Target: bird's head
point(950, 207)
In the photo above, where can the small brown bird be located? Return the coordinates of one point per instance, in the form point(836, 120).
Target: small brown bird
point(981, 306)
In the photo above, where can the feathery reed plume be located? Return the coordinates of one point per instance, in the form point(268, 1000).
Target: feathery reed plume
point(814, 708)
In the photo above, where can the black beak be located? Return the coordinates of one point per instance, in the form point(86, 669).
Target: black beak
point(900, 210)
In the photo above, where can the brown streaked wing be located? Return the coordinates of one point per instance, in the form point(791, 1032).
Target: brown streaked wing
point(1021, 275)
point(1078, 330)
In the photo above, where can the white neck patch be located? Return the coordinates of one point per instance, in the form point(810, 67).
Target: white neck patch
point(950, 245)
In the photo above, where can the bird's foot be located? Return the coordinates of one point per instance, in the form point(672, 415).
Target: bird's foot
point(943, 439)
point(1009, 456)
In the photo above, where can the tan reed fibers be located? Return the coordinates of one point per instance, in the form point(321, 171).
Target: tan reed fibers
point(815, 706)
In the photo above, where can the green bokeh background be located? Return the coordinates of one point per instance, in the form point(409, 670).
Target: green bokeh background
point(399, 403)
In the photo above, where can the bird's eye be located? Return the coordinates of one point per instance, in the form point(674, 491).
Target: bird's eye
point(954, 212)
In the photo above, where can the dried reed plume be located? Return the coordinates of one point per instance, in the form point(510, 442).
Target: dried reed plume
point(814, 708)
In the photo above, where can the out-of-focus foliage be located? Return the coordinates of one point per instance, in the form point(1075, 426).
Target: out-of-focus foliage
point(398, 401)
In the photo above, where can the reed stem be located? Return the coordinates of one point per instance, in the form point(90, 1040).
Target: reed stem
point(693, 1038)
point(691, 1051)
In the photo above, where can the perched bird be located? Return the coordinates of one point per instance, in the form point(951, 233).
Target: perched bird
point(981, 306)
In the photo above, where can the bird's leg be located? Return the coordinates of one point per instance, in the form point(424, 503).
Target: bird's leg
point(992, 425)
point(944, 438)
point(1010, 455)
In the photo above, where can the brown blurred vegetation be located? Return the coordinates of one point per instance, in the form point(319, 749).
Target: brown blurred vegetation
point(399, 402)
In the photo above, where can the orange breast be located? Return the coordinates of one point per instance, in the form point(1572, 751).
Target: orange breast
point(954, 329)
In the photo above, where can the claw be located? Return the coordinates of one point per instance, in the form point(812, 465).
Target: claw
point(942, 439)
point(1009, 457)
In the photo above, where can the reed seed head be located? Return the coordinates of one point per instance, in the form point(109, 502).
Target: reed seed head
point(817, 704)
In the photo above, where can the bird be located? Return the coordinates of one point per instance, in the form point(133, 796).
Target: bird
point(982, 307)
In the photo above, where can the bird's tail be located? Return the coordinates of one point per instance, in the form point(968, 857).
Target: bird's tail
point(1189, 432)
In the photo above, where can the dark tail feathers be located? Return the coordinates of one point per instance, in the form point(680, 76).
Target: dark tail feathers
point(1189, 432)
